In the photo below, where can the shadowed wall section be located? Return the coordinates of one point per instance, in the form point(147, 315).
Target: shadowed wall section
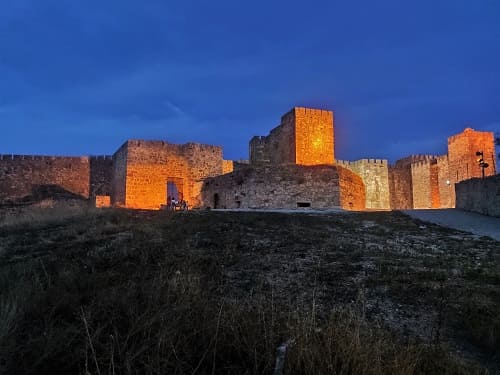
point(480, 195)
point(25, 176)
point(285, 186)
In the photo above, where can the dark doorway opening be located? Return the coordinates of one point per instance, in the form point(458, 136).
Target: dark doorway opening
point(175, 187)
point(303, 204)
point(216, 200)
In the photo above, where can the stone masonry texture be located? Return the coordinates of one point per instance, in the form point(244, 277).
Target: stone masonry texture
point(151, 165)
point(292, 166)
point(480, 195)
point(375, 176)
point(285, 186)
point(305, 137)
point(26, 177)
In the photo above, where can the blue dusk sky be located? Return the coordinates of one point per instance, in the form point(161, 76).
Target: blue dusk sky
point(81, 77)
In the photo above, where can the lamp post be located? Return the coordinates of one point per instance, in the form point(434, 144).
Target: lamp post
point(482, 163)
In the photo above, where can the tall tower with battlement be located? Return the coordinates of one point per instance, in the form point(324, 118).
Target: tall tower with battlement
point(462, 150)
point(305, 136)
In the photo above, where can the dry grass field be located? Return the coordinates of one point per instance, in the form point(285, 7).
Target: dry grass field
point(132, 292)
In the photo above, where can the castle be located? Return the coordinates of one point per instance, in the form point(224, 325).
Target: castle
point(293, 166)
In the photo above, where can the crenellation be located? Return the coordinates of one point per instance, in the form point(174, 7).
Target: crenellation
point(293, 165)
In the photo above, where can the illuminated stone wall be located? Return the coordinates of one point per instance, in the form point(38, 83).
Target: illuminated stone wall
point(375, 176)
point(34, 176)
point(227, 166)
point(425, 182)
point(102, 201)
point(462, 150)
point(314, 136)
point(445, 187)
point(407, 182)
point(285, 186)
point(149, 165)
point(352, 190)
point(305, 136)
point(400, 187)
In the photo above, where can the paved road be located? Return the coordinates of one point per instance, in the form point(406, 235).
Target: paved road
point(462, 220)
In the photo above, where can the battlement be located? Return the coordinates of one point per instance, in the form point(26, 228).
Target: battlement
point(101, 157)
point(14, 157)
point(424, 163)
point(166, 145)
point(258, 138)
point(411, 159)
point(304, 111)
point(468, 132)
point(361, 162)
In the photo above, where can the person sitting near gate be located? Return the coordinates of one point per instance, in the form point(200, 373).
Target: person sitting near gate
point(184, 205)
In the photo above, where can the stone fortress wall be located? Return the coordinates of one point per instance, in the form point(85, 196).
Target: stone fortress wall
point(299, 154)
point(480, 195)
point(305, 136)
point(291, 167)
point(146, 167)
point(428, 181)
point(35, 176)
point(285, 186)
point(375, 176)
point(424, 184)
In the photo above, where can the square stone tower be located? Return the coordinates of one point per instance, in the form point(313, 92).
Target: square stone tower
point(314, 136)
point(305, 136)
point(462, 156)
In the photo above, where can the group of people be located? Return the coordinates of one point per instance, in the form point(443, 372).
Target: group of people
point(175, 204)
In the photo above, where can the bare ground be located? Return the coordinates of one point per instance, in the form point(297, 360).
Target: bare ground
point(424, 284)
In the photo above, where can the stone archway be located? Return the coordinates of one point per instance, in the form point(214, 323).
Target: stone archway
point(175, 188)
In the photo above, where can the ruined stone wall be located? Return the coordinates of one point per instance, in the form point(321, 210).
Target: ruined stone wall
point(101, 172)
point(462, 157)
point(479, 195)
point(375, 176)
point(314, 136)
point(152, 164)
point(32, 177)
point(285, 186)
